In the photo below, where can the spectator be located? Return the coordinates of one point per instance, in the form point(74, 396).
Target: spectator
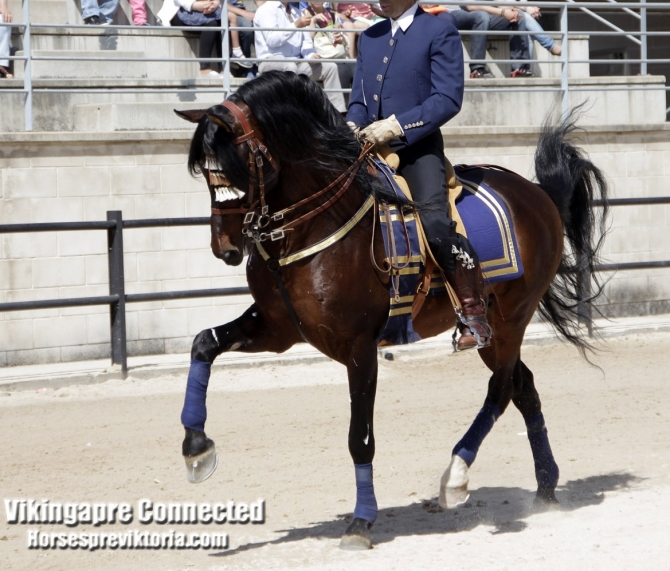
point(103, 14)
point(531, 15)
point(271, 44)
point(202, 13)
point(331, 45)
point(482, 18)
point(245, 19)
point(357, 17)
point(5, 35)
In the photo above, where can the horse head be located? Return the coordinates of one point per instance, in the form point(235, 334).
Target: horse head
point(228, 149)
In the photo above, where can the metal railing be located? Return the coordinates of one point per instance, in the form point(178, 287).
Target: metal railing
point(117, 298)
point(638, 10)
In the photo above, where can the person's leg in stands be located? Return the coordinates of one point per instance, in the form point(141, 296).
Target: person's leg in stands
point(89, 8)
point(139, 9)
point(548, 43)
point(474, 20)
point(108, 10)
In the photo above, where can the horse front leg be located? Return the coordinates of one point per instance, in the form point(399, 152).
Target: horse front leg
point(248, 333)
point(362, 373)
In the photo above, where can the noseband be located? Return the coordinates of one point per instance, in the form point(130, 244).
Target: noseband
point(257, 150)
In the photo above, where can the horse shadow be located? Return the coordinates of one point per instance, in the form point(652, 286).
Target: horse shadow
point(503, 509)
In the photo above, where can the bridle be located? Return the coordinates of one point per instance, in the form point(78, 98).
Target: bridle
point(254, 221)
point(257, 150)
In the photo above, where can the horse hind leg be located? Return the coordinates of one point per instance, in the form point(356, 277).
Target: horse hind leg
point(248, 333)
point(546, 469)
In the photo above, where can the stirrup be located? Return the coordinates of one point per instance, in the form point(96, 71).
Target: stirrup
point(470, 338)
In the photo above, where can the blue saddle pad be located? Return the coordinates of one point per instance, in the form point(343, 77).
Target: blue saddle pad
point(489, 229)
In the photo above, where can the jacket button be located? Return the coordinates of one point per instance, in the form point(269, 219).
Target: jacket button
point(385, 60)
point(391, 42)
point(375, 97)
point(379, 77)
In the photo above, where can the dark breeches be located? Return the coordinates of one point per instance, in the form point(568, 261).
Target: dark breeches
point(210, 40)
point(422, 166)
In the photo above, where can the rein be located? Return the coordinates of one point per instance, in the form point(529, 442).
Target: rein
point(254, 221)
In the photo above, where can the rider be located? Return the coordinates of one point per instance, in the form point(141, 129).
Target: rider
point(408, 83)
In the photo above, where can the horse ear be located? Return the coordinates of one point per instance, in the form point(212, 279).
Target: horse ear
point(222, 117)
point(192, 115)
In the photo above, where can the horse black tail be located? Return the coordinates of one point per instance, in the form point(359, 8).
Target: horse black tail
point(573, 182)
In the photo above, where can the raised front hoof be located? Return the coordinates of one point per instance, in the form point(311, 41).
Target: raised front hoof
point(202, 466)
point(200, 456)
point(357, 537)
point(545, 498)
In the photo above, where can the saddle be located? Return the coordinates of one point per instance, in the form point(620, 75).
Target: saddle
point(431, 269)
point(479, 214)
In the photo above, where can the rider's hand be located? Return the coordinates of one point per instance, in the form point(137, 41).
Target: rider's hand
point(381, 131)
point(354, 128)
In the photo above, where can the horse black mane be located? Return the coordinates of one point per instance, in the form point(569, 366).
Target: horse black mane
point(299, 125)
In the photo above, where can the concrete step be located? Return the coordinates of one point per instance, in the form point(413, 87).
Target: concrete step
point(136, 116)
point(53, 110)
point(99, 41)
point(50, 68)
point(490, 108)
point(46, 11)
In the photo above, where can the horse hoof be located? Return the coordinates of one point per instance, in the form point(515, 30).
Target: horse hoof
point(454, 484)
point(202, 466)
point(451, 498)
point(357, 537)
point(545, 498)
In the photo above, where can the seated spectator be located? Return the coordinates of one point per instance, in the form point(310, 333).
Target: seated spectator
point(5, 35)
point(531, 15)
point(202, 13)
point(331, 45)
point(279, 44)
point(357, 17)
point(103, 14)
point(492, 18)
point(245, 19)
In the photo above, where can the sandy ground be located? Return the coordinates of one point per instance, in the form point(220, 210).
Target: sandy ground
point(281, 432)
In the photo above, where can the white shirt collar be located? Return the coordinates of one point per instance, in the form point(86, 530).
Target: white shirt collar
point(404, 20)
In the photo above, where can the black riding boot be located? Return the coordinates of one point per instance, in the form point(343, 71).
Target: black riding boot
point(468, 283)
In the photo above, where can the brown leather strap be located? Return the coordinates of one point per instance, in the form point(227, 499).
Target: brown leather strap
point(424, 287)
point(247, 131)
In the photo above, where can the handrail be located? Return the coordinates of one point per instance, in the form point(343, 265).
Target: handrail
point(117, 298)
point(638, 10)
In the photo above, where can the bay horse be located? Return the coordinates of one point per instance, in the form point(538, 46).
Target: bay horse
point(283, 175)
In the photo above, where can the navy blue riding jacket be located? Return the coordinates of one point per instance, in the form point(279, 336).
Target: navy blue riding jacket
point(416, 75)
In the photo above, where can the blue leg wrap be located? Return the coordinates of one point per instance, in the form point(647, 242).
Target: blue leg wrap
point(469, 445)
point(366, 503)
point(194, 413)
point(546, 469)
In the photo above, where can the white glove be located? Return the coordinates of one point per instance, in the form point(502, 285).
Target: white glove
point(354, 128)
point(382, 131)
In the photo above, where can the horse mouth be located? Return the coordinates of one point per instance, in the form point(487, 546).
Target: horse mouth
point(226, 193)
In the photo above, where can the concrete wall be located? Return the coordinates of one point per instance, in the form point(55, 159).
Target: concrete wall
point(79, 176)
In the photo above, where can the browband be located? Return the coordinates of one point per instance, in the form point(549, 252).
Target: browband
point(242, 120)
